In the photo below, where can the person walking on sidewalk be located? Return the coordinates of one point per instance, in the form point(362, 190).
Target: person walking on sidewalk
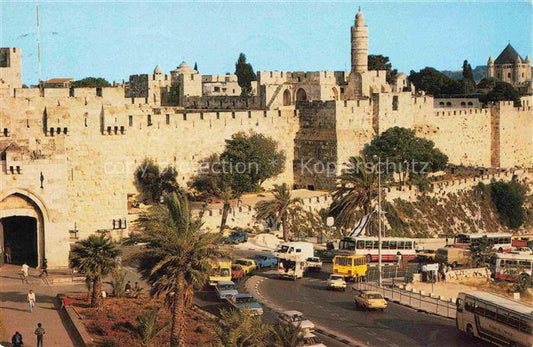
point(40, 334)
point(25, 269)
point(16, 340)
point(8, 254)
point(31, 300)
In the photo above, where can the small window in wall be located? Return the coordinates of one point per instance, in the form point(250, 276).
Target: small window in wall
point(395, 103)
point(185, 116)
point(448, 104)
point(99, 91)
point(149, 119)
point(130, 120)
point(217, 89)
point(167, 119)
point(509, 75)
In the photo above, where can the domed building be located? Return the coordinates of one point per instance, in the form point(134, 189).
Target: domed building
point(511, 68)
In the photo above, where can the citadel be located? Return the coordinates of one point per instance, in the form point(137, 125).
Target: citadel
point(68, 154)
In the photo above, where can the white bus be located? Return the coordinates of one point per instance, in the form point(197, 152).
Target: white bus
point(501, 242)
point(510, 267)
point(390, 247)
point(495, 319)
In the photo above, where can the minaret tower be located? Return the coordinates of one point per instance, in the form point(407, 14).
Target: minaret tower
point(490, 67)
point(359, 44)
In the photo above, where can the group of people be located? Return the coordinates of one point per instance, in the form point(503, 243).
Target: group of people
point(16, 339)
point(25, 272)
point(130, 291)
point(432, 275)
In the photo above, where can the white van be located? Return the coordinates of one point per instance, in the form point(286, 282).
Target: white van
point(303, 249)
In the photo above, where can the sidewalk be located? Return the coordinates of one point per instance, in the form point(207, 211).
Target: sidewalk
point(16, 316)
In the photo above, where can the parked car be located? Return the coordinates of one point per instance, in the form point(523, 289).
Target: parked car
point(296, 318)
point(370, 300)
point(425, 255)
point(248, 265)
point(236, 271)
point(265, 260)
point(314, 264)
point(311, 340)
point(336, 282)
point(236, 237)
point(226, 290)
point(243, 302)
point(522, 251)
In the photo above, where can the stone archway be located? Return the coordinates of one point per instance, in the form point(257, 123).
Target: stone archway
point(22, 226)
point(301, 95)
point(286, 97)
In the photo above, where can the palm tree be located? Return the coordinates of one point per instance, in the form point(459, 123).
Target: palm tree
point(95, 258)
point(279, 208)
point(287, 335)
point(147, 328)
point(177, 259)
point(241, 329)
point(356, 187)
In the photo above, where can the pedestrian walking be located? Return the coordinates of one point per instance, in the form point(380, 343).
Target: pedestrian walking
point(16, 340)
point(424, 273)
point(44, 272)
point(40, 334)
point(31, 300)
point(8, 254)
point(25, 270)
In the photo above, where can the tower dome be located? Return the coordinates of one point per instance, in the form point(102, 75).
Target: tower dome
point(491, 61)
point(518, 60)
point(359, 19)
point(157, 70)
point(528, 60)
point(185, 68)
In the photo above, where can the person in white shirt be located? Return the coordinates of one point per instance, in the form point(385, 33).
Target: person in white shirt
point(25, 272)
point(31, 300)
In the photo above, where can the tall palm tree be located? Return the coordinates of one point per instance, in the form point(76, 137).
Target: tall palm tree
point(278, 208)
point(95, 258)
point(177, 259)
point(287, 335)
point(147, 328)
point(356, 187)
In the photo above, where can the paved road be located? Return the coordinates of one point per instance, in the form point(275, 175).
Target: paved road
point(397, 326)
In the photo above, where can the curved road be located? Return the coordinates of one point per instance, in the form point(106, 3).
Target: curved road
point(397, 326)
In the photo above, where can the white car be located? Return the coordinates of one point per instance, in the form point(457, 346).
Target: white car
point(522, 250)
point(336, 282)
point(311, 340)
point(314, 264)
point(296, 318)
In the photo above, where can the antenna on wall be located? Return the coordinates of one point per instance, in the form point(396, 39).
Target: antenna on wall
point(38, 43)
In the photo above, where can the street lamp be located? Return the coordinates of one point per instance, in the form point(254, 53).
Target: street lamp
point(379, 219)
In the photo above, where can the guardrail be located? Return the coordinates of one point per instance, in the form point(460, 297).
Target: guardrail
point(415, 300)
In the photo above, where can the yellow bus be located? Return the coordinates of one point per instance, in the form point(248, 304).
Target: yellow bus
point(495, 319)
point(351, 266)
point(221, 272)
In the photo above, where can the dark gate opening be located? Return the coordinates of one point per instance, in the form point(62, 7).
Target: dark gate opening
point(20, 234)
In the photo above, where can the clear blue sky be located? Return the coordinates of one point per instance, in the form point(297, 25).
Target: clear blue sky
point(117, 39)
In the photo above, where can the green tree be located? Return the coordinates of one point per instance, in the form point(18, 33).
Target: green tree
point(250, 160)
point(91, 82)
point(481, 252)
point(154, 182)
point(118, 281)
point(176, 259)
point(407, 152)
point(245, 75)
point(279, 208)
point(467, 71)
point(94, 257)
point(356, 187)
point(212, 182)
point(241, 329)
point(434, 82)
point(508, 197)
point(287, 335)
point(380, 62)
point(502, 92)
point(147, 328)
point(487, 83)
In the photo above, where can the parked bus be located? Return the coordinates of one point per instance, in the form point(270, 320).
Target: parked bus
point(351, 266)
point(221, 272)
point(510, 267)
point(500, 242)
point(390, 247)
point(495, 319)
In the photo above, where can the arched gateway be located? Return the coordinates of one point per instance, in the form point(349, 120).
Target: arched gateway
point(22, 225)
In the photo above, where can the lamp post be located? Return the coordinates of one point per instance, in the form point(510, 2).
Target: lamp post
point(379, 219)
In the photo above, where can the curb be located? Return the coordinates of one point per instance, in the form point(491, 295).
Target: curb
point(73, 323)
